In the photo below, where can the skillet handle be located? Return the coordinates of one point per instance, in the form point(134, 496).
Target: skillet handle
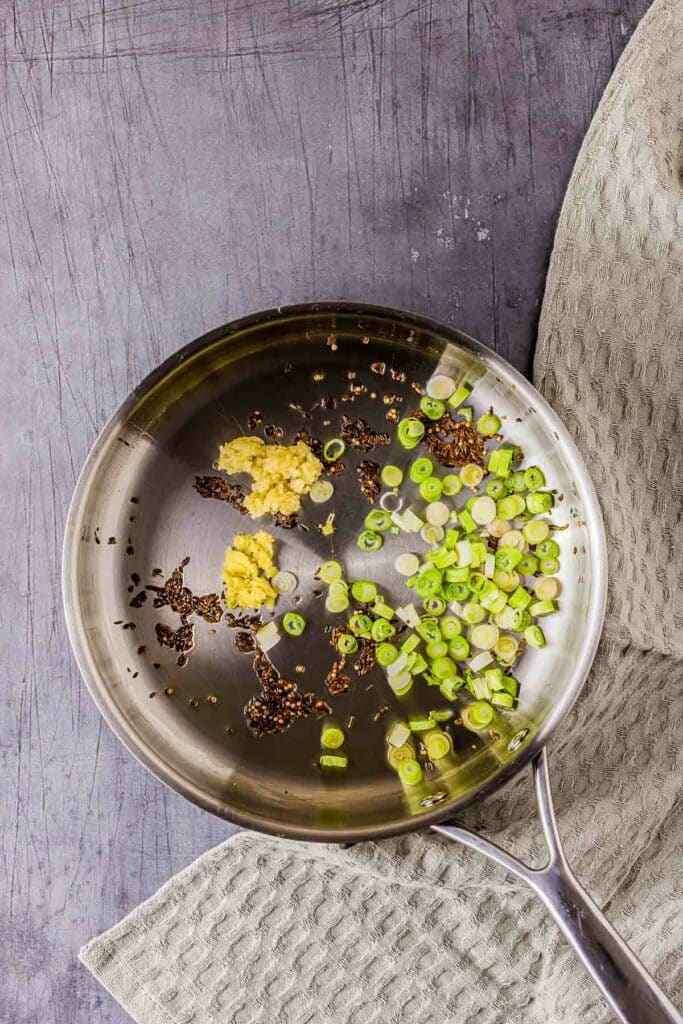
point(632, 993)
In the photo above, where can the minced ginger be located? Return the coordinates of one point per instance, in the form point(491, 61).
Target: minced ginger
point(280, 473)
point(247, 570)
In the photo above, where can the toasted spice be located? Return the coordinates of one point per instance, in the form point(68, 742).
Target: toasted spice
point(367, 658)
point(337, 633)
point(280, 701)
point(392, 415)
point(112, 540)
point(181, 639)
point(380, 712)
point(252, 622)
point(244, 642)
point(254, 419)
point(369, 479)
point(138, 600)
point(360, 435)
point(283, 521)
point(378, 367)
point(335, 468)
point(398, 375)
point(180, 599)
point(208, 607)
point(337, 681)
point(311, 442)
point(221, 489)
point(273, 432)
point(454, 442)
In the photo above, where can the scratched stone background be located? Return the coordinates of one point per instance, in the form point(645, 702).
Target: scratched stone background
point(164, 167)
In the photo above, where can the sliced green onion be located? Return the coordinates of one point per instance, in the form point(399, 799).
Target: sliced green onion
point(330, 571)
point(336, 604)
point(386, 654)
point(473, 613)
point(332, 737)
point(438, 744)
point(477, 582)
point(334, 761)
point(478, 716)
point(449, 687)
point(496, 489)
point(549, 566)
point(467, 413)
point(538, 502)
point(452, 485)
point(506, 649)
point(432, 534)
point(546, 588)
point(408, 614)
point(434, 605)
point(410, 432)
point(484, 636)
point(407, 521)
point(428, 583)
point(369, 540)
point(500, 461)
point(513, 539)
point(502, 700)
point(510, 685)
point(441, 557)
point(443, 667)
point(267, 636)
point(548, 549)
point(519, 598)
point(494, 678)
point(391, 476)
point(534, 636)
point(471, 475)
point(364, 591)
point(378, 520)
point(347, 644)
point(431, 489)
point(407, 564)
point(384, 610)
point(391, 502)
point(421, 724)
point(507, 558)
point(511, 506)
point(534, 478)
point(382, 630)
point(460, 395)
point(450, 627)
point(443, 715)
point(293, 623)
point(506, 581)
point(333, 449)
point(536, 531)
point(437, 513)
point(543, 608)
point(493, 601)
point(321, 490)
point(459, 648)
point(410, 772)
point(420, 470)
point(428, 629)
point(401, 683)
point(488, 424)
point(466, 521)
point(483, 511)
point(418, 665)
point(528, 565)
point(440, 386)
point(480, 688)
point(516, 482)
point(519, 619)
point(498, 528)
point(360, 624)
point(285, 582)
point(432, 408)
point(411, 643)
point(398, 754)
point(398, 735)
point(339, 588)
point(436, 648)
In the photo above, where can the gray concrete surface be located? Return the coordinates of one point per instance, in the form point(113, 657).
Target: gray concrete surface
point(164, 168)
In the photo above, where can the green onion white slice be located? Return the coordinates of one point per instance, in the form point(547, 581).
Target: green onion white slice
point(407, 564)
point(321, 490)
point(440, 386)
point(546, 588)
point(437, 513)
point(267, 636)
point(483, 511)
point(285, 582)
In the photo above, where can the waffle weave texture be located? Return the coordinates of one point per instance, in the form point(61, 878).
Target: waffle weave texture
point(416, 930)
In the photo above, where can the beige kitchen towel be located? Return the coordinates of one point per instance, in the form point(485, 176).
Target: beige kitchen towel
point(418, 930)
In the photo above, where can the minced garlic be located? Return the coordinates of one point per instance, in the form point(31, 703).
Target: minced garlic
point(280, 474)
point(247, 570)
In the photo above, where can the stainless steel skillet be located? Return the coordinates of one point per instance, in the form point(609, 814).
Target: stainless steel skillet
point(135, 509)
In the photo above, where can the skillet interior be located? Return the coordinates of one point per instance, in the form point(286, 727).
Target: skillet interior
point(168, 432)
